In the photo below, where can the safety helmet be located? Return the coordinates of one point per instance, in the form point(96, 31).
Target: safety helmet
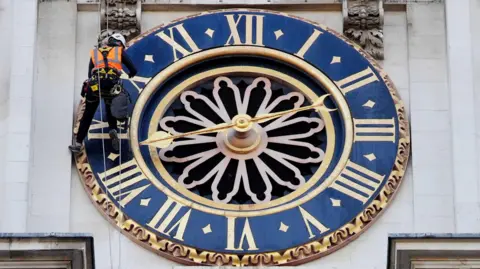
point(119, 37)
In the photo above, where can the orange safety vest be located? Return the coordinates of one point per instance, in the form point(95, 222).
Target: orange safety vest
point(114, 57)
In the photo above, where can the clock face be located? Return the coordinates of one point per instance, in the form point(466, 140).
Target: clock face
point(256, 138)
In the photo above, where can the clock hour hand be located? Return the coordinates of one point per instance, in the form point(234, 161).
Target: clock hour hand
point(163, 139)
point(318, 104)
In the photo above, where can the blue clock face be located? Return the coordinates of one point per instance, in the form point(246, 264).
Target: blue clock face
point(254, 136)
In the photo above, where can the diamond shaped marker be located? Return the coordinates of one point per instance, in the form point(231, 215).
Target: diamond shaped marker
point(369, 104)
point(278, 34)
point(209, 32)
point(112, 156)
point(207, 229)
point(145, 202)
point(149, 58)
point(283, 227)
point(336, 59)
point(370, 156)
point(335, 202)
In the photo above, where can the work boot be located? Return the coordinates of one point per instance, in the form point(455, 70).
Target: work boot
point(76, 147)
point(115, 141)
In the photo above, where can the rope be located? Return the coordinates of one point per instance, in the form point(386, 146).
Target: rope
point(101, 107)
point(103, 140)
point(120, 174)
point(120, 207)
point(121, 182)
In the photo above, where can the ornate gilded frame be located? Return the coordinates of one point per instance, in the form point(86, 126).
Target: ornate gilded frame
point(293, 256)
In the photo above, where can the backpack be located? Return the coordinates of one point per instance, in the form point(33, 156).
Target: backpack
point(120, 105)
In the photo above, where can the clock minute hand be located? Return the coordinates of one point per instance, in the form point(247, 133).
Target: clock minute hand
point(317, 104)
point(163, 139)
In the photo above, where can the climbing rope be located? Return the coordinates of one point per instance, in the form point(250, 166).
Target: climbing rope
point(99, 41)
point(121, 181)
point(104, 36)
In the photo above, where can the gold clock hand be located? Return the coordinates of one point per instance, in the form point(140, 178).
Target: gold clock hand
point(163, 139)
point(319, 104)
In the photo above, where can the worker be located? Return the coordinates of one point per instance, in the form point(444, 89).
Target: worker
point(104, 73)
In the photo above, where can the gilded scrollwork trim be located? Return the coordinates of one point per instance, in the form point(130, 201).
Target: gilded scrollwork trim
point(296, 255)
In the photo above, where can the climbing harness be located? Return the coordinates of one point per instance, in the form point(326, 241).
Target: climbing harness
point(107, 71)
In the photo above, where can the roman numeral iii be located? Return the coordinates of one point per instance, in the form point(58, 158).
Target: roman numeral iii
point(357, 182)
point(374, 130)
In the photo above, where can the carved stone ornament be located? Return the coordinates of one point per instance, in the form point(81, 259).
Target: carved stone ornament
point(121, 16)
point(363, 23)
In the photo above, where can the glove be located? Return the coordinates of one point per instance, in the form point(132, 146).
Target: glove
point(84, 88)
point(131, 75)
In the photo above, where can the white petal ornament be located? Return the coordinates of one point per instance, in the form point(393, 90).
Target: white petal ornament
point(248, 165)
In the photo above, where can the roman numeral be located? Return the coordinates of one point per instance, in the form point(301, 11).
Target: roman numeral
point(176, 47)
point(306, 46)
point(95, 130)
point(357, 182)
point(360, 79)
point(120, 180)
point(235, 39)
point(246, 235)
point(376, 130)
point(162, 225)
point(309, 219)
point(137, 81)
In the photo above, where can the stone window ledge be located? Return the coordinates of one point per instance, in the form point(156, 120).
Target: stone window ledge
point(433, 251)
point(46, 251)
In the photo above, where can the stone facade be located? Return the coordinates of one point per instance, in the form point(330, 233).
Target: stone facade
point(431, 51)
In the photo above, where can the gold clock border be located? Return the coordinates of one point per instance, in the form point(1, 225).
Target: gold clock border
point(271, 207)
point(292, 256)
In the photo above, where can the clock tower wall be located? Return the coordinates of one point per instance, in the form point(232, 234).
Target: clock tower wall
point(416, 58)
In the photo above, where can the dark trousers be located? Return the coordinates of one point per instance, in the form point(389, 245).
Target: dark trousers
point(91, 104)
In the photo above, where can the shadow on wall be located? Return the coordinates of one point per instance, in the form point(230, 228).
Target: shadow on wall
point(5, 29)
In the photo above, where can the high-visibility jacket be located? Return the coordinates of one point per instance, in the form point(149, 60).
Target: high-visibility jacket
point(114, 57)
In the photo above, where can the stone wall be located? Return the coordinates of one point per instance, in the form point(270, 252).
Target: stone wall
point(16, 124)
point(430, 120)
point(53, 110)
point(475, 46)
point(5, 28)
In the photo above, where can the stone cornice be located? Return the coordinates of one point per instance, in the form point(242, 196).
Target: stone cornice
point(362, 19)
point(188, 5)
